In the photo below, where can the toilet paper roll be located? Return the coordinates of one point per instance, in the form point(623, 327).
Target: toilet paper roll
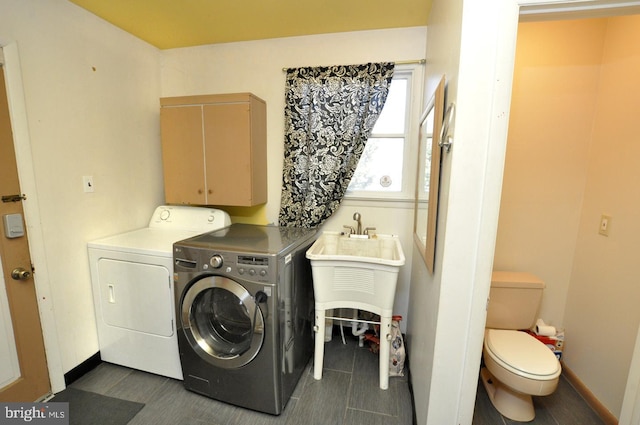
point(543, 329)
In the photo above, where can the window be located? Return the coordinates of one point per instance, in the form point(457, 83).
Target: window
point(385, 168)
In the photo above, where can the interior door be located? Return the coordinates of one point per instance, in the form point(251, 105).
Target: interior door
point(23, 364)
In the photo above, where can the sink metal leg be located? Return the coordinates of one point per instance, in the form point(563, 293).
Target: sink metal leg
point(318, 356)
point(385, 345)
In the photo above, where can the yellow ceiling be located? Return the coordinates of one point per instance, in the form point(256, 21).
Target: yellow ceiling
point(169, 24)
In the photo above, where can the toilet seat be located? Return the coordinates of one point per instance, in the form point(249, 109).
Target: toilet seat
point(521, 354)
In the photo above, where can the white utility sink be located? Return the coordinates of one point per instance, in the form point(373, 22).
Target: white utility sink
point(377, 249)
point(361, 272)
point(355, 272)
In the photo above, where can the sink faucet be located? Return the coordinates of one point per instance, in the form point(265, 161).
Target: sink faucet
point(356, 217)
point(358, 230)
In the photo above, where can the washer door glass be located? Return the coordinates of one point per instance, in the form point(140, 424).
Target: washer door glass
point(222, 322)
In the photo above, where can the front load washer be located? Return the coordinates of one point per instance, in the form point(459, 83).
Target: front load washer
point(244, 303)
point(132, 282)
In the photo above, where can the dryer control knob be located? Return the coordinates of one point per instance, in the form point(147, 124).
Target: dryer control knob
point(216, 261)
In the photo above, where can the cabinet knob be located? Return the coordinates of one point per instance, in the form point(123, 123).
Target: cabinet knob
point(210, 191)
point(199, 191)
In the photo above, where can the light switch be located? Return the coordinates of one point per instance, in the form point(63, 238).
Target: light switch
point(605, 225)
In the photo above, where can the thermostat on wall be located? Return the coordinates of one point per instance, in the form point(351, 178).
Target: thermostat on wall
point(13, 225)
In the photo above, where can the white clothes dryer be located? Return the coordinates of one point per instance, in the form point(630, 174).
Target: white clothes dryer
point(133, 288)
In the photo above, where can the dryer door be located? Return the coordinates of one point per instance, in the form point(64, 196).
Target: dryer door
point(222, 322)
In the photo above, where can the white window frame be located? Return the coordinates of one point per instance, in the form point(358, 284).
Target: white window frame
point(413, 75)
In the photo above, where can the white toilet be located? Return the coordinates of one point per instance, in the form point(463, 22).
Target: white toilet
point(517, 365)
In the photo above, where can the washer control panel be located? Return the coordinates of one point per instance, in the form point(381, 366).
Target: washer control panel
point(253, 265)
point(258, 268)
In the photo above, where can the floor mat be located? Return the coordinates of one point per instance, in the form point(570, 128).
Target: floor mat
point(91, 408)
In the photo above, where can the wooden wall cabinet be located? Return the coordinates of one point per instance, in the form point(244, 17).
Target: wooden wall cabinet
point(214, 149)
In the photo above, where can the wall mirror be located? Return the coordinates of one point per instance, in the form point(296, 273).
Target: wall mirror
point(428, 176)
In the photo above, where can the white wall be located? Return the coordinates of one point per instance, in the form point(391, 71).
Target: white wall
point(443, 52)
point(256, 67)
point(556, 78)
point(90, 108)
point(447, 311)
point(602, 302)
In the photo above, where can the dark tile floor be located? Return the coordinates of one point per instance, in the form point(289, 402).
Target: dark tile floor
point(564, 407)
point(348, 394)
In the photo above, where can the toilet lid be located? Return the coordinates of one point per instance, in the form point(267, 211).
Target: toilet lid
point(521, 352)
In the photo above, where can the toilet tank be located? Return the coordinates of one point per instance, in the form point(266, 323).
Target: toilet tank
point(514, 300)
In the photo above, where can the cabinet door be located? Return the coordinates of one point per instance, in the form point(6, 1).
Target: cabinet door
point(228, 156)
point(182, 144)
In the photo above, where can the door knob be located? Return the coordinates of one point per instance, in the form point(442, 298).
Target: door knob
point(20, 274)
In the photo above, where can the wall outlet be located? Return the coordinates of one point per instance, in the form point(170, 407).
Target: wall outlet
point(87, 184)
point(605, 224)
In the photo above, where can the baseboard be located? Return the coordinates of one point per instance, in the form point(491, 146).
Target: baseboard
point(604, 413)
point(83, 368)
point(407, 372)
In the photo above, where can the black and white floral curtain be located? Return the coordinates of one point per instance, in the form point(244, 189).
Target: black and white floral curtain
point(329, 115)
